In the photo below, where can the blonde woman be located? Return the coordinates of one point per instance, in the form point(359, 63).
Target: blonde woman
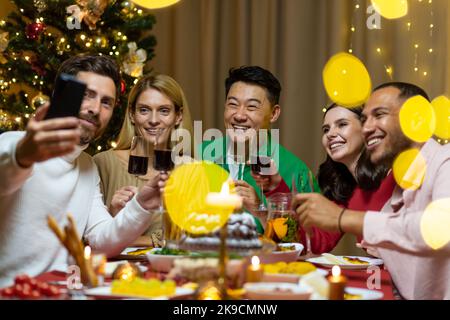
point(156, 107)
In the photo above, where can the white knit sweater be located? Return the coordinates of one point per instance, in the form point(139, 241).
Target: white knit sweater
point(58, 186)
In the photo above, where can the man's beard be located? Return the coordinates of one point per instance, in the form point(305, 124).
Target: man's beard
point(399, 144)
point(87, 136)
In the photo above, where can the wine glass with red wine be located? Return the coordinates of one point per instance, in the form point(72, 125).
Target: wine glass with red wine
point(139, 154)
point(260, 165)
point(162, 160)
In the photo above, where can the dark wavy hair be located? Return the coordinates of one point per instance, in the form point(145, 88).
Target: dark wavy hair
point(102, 65)
point(257, 76)
point(337, 182)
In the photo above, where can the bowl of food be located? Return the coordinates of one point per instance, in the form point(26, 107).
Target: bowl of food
point(277, 291)
point(162, 259)
point(286, 252)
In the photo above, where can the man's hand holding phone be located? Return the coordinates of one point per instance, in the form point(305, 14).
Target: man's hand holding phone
point(55, 129)
point(46, 139)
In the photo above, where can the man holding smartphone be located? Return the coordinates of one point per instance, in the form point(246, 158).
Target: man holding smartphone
point(45, 171)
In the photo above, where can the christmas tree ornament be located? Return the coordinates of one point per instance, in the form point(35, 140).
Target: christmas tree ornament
point(40, 5)
point(34, 30)
point(123, 86)
point(91, 11)
point(133, 64)
point(39, 100)
point(127, 8)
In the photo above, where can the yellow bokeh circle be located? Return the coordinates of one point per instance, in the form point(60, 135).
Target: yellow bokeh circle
point(346, 80)
point(435, 224)
point(441, 106)
point(155, 4)
point(391, 9)
point(417, 119)
point(185, 197)
point(409, 169)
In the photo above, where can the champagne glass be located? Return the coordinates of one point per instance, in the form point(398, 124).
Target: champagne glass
point(139, 154)
point(294, 192)
point(260, 166)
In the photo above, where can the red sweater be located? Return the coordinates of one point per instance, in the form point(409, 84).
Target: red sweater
point(324, 241)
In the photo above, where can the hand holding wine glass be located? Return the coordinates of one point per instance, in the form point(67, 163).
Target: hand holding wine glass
point(139, 154)
point(260, 166)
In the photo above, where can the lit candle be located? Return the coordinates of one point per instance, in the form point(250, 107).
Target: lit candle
point(224, 199)
point(87, 253)
point(254, 271)
point(337, 284)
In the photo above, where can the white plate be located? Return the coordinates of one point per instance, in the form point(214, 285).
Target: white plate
point(285, 256)
point(322, 261)
point(105, 292)
point(276, 291)
point(160, 262)
point(365, 293)
point(289, 277)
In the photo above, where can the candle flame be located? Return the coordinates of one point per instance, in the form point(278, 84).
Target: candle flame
point(336, 271)
point(87, 252)
point(225, 188)
point(255, 261)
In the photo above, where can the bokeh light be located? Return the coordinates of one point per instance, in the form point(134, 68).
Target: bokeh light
point(391, 9)
point(417, 119)
point(441, 106)
point(435, 224)
point(409, 169)
point(155, 4)
point(185, 197)
point(346, 80)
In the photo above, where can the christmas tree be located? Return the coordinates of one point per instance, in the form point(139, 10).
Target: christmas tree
point(37, 37)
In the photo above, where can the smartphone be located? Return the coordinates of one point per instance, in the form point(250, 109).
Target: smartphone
point(67, 97)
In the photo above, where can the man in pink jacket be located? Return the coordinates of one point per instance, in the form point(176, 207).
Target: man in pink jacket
point(418, 270)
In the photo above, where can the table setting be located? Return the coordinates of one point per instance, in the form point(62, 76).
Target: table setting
point(216, 253)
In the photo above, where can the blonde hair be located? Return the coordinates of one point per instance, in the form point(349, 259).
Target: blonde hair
point(167, 86)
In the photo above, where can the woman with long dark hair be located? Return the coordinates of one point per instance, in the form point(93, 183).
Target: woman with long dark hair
point(347, 177)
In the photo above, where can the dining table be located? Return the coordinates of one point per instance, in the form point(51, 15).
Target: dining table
point(379, 279)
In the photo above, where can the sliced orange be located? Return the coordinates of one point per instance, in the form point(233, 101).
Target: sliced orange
point(269, 230)
point(280, 227)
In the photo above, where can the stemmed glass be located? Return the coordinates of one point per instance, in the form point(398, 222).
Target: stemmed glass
point(139, 154)
point(260, 166)
point(294, 192)
point(162, 162)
